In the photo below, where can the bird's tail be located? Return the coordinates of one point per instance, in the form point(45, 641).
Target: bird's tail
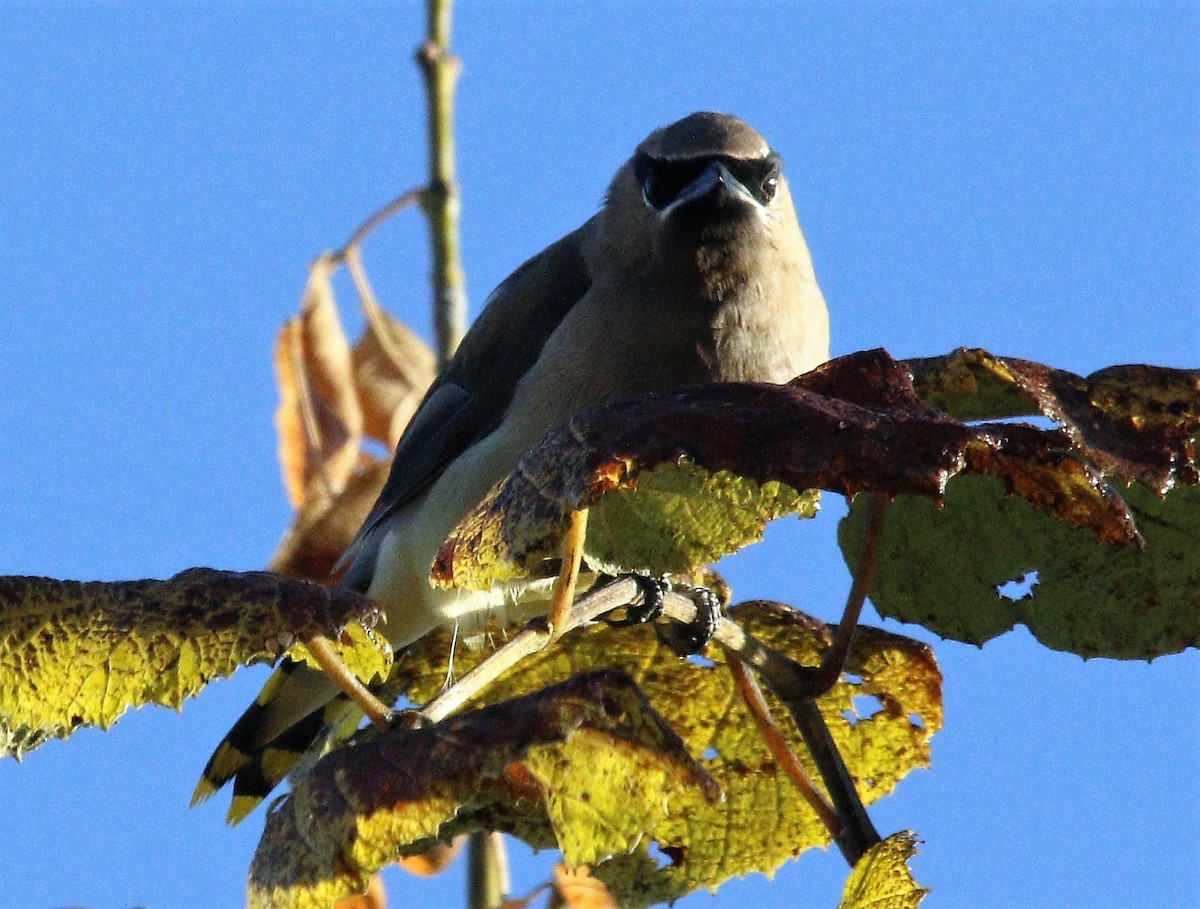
point(293, 712)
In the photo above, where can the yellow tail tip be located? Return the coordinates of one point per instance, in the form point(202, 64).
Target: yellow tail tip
point(203, 792)
point(241, 806)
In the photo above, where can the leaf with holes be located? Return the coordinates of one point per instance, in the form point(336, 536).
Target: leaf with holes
point(882, 717)
point(947, 567)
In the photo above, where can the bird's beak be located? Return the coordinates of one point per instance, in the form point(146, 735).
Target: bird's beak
point(717, 185)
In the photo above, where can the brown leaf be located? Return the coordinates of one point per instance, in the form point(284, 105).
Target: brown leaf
point(360, 805)
point(434, 860)
point(392, 369)
point(1135, 422)
point(319, 418)
point(375, 897)
point(324, 527)
point(854, 424)
point(577, 889)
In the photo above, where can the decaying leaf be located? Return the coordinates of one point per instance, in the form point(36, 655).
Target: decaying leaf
point(591, 753)
point(949, 567)
point(375, 897)
point(78, 653)
point(853, 424)
point(1134, 422)
point(434, 860)
point(323, 528)
point(319, 418)
point(578, 889)
point(330, 396)
point(392, 369)
point(882, 880)
point(882, 717)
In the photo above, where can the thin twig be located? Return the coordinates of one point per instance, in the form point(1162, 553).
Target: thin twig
point(377, 319)
point(778, 746)
point(398, 204)
point(791, 683)
point(487, 868)
point(856, 832)
point(320, 270)
point(533, 638)
point(441, 200)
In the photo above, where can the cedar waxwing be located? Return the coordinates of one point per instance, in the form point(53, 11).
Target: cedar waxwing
point(694, 271)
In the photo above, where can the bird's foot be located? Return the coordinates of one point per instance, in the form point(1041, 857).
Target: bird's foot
point(684, 640)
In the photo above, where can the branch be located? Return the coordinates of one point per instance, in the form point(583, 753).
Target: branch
point(441, 200)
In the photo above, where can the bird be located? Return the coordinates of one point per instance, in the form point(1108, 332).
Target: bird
point(695, 270)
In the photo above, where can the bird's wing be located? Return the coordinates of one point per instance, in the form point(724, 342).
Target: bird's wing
point(469, 398)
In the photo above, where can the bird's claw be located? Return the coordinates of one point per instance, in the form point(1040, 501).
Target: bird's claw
point(653, 591)
point(684, 640)
point(687, 640)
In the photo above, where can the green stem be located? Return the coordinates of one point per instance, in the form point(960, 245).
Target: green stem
point(487, 870)
point(441, 199)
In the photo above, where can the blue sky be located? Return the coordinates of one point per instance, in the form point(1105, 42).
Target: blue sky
point(1019, 176)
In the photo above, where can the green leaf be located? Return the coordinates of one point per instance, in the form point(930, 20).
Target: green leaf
point(946, 568)
point(681, 517)
point(575, 799)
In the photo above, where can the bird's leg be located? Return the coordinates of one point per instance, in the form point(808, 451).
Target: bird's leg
point(339, 673)
point(563, 594)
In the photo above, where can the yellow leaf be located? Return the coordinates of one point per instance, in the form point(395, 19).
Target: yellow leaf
point(78, 653)
point(881, 879)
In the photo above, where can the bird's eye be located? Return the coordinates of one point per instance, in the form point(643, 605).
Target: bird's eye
point(768, 187)
point(649, 191)
point(661, 181)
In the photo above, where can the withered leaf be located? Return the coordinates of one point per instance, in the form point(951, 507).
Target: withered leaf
point(330, 396)
point(76, 653)
point(392, 369)
point(854, 424)
point(577, 889)
point(319, 419)
point(323, 528)
point(1136, 422)
point(590, 756)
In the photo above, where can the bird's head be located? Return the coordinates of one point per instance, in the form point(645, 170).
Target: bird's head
point(707, 182)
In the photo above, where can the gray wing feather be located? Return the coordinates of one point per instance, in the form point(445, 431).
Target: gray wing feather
point(469, 398)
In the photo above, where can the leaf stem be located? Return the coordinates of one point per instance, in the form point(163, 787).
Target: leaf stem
point(833, 661)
